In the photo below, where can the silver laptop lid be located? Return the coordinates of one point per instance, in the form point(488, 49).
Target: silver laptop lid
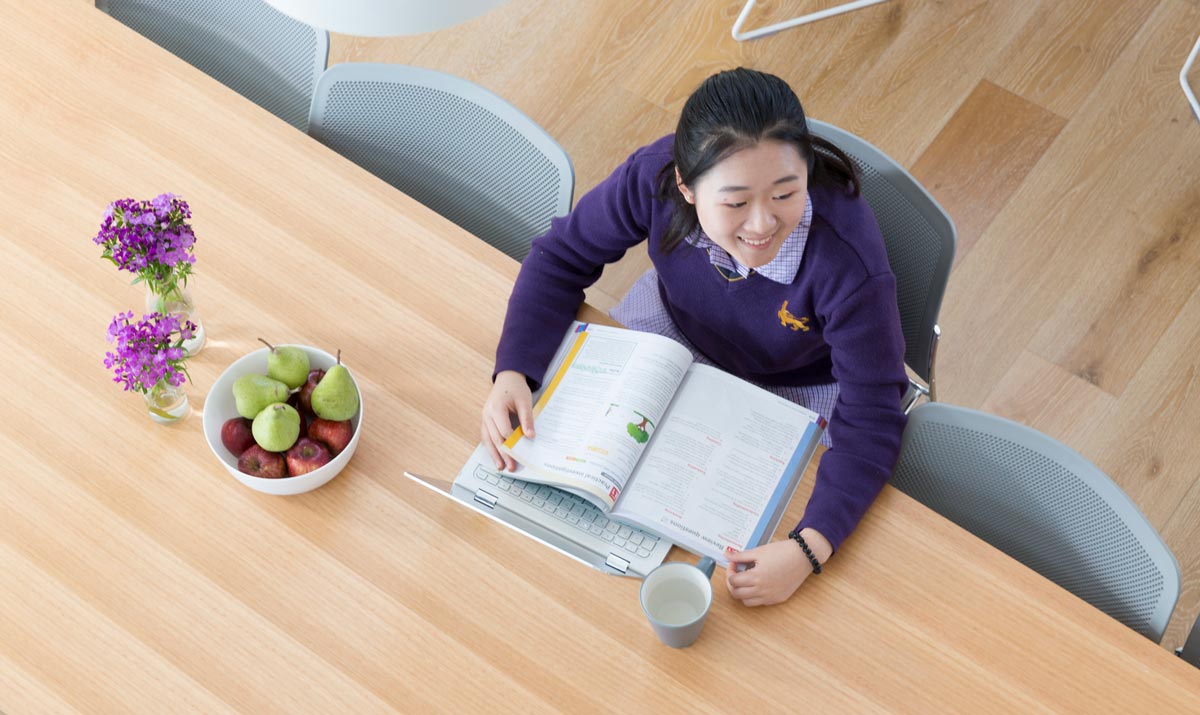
point(481, 488)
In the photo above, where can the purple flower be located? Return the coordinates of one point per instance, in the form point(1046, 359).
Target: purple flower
point(148, 351)
point(150, 238)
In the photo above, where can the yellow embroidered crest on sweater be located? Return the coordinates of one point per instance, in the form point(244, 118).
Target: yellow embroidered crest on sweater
point(788, 320)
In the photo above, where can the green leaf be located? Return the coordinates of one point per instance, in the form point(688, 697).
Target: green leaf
point(162, 413)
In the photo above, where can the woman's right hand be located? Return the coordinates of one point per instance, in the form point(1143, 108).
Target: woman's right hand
point(510, 395)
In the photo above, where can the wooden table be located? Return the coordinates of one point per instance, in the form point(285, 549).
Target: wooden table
point(138, 576)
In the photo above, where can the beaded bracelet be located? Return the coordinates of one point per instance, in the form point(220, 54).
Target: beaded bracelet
point(795, 536)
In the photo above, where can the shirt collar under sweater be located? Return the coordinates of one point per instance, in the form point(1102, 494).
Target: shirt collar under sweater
point(781, 269)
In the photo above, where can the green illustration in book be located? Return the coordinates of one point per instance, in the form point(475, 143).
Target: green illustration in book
point(638, 430)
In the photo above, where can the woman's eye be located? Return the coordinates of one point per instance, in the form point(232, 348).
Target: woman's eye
point(786, 196)
point(737, 205)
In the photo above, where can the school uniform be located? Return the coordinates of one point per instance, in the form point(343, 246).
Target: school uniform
point(818, 324)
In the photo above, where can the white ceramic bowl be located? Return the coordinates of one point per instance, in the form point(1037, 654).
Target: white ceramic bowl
point(219, 407)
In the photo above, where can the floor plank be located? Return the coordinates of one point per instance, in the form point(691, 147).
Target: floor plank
point(1061, 275)
point(1149, 445)
point(1134, 246)
point(982, 155)
point(1042, 395)
point(1062, 54)
point(894, 104)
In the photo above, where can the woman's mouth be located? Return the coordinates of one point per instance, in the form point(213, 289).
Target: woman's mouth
point(760, 242)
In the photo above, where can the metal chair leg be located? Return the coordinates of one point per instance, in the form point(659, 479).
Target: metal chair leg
point(933, 348)
point(1183, 78)
point(802, 20)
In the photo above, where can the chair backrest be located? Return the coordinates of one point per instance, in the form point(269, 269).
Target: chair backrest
point(1043, 504)
point(919, 235)
point(450, 144)
point(247, 45)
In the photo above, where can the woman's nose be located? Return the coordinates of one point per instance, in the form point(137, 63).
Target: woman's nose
point(760, 221)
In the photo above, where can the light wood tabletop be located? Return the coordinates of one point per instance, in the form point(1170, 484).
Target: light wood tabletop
point(139, 577)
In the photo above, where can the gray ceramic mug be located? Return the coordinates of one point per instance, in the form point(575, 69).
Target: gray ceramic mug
point(676, 597)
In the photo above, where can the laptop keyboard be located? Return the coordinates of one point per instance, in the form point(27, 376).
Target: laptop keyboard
point(574, 511)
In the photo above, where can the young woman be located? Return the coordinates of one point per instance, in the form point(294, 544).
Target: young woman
point(767, 264)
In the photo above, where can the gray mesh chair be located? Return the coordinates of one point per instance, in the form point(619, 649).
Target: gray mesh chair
point(920, 239)
point(247, 45)
point(1043, 504)
point(450, 144)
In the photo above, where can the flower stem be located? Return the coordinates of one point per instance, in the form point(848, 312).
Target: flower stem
point(161, 413)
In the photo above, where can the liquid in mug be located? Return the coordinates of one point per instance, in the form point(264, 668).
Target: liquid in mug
point(676, 602)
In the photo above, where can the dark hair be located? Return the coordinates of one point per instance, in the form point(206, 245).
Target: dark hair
point(734, 110)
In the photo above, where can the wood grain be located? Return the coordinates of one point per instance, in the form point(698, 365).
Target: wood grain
point(975, 164)
point(139, 577)
point(1038, 392)
point(1136, 250)
point(1062, 55)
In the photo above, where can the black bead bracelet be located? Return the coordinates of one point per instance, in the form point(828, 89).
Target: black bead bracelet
point(795, 536)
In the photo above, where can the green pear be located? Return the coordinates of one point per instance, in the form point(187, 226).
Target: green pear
point(335, 397)
point(287, 364)
point(254, 392)
point(277, 427)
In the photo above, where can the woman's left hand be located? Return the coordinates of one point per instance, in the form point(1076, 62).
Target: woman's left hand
point(779, 568)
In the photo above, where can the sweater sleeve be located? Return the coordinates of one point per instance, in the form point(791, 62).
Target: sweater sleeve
point(867, 349)
point(607, 221)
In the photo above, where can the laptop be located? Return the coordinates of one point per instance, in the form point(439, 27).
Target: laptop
point(558, 519)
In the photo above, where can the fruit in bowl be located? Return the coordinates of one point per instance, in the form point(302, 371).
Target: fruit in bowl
point(258, 462)
point(307, 455)
point(283, 454)
point(236, 435)
point(335, 435)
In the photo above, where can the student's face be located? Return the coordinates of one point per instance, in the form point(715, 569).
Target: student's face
point(750, 201)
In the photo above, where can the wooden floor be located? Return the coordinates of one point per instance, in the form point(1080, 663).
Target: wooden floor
point(1053, 131)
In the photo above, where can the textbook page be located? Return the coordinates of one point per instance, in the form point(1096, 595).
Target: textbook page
point(721, 469)
point(599, 410)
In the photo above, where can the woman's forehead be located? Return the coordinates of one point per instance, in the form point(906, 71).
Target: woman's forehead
point(764, 163)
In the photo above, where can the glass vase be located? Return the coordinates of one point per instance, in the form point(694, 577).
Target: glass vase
point(166, 403)
point(179, 302)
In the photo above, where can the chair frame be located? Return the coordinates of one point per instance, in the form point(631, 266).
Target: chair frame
point(924, 365)
point(1183, 80)
point(741, 36)
point(1190, 650)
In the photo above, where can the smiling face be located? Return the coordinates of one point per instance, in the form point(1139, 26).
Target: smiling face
point(751, 200)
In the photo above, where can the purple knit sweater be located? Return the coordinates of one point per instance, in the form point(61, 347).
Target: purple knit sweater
point(844, 288)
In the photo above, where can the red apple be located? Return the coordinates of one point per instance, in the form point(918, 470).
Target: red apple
point(307, 455)
point(335, 435)
point(258, 462)
point(305, 394)
point(236, 435)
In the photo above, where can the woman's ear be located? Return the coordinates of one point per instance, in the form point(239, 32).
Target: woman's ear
point(688, 196)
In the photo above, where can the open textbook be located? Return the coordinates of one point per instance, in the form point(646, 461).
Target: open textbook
point(627, 421)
